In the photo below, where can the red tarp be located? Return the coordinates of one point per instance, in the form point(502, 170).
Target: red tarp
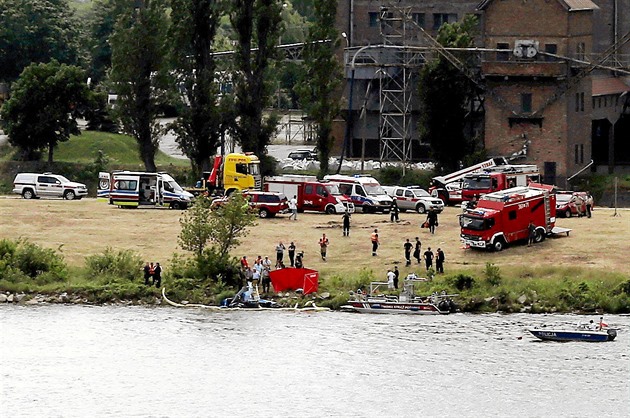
point(293, 278)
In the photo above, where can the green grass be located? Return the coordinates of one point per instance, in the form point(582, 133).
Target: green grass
point(120, 149)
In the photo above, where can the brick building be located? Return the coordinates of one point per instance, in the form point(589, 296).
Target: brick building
point(537, 109)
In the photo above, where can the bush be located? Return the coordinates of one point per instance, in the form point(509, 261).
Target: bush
point(492, 274)
point(463, 282)
point(394, 176)
point(122, 264)
point(22, 261)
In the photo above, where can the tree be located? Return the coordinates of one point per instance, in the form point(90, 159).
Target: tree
point(222, 227)
point(139, 74)
point(257, 25)
point(444, 92)
point(322, 78)
point(192, 33)
point(40, 112)
point(34, 31)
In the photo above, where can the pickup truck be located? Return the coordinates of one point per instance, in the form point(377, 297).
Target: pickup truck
point(414, 198)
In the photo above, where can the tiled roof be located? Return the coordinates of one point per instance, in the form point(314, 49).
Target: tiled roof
point(609, 85)
point(571, 5)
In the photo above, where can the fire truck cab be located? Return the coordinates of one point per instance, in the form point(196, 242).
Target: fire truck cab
point(503, 217)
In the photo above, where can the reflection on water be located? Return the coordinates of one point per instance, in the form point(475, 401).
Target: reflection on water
point(78, 361)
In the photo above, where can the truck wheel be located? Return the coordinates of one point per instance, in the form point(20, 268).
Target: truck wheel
point(175, 205)
point(567, 213)
point(69, 195)
point(499, 244)
point(263, 213)
point(367, 209)
point(330, 210)
point(420, 208)
point(28, 194)
point(540, 237)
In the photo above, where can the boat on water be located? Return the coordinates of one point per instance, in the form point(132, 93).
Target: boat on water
point(590, 332)
point(404, 303)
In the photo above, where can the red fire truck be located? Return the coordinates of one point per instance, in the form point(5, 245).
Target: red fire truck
point(311, 194)
point(496, 178)
point(503, 217)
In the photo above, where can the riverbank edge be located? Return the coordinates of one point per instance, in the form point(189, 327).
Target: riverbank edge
point(290, 299)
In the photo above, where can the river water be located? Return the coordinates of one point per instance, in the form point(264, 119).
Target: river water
point(115, 361)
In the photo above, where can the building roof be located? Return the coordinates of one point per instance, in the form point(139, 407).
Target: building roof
point(609, 85)
point(570, 5)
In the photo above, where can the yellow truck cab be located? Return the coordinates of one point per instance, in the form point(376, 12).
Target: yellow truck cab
point(235, 172)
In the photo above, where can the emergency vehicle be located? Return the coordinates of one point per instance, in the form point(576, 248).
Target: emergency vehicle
point(364, 192)
point(230, 173)
point(496, 178)
point(141, 189)
point(311, 194)
point(503, 217)
point(449, 187)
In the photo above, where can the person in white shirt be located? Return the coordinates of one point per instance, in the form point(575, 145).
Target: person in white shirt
point(390, 279)
point(293, 208)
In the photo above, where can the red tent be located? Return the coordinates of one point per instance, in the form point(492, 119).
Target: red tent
point(294, 278)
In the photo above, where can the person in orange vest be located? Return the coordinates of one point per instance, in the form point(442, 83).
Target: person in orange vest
point(375, 242)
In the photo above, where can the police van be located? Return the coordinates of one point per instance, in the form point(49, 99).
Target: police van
point(141, 189)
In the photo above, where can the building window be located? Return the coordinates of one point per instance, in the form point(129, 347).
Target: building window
point(551, 49)
point(526, 102)
point(577, 148)
point(440, 18)
point(580, 50)
point(503, 56)
point(579, 153)
point(373, 18)
point(418, 18)
point(579, 102)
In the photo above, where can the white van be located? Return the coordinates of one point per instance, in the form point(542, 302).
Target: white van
point(364, 191)
point(141, 189)
point(34, 186)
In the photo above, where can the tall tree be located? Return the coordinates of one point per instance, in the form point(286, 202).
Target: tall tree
point(322, 77)
point(40, 112)
point(444, 92)
point(34, 31)
point(101, 21)
point(139, 74)
point(256, 24)
point(192, 33)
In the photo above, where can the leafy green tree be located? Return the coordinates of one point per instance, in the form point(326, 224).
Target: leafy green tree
point(196, 227)
point(444, 92)
point(101, 21)
point(322, 77)
point(256, 24)
point(139, 74)
point(229, 223)
point(34, 31)
point(40, 112)
point(193, 32)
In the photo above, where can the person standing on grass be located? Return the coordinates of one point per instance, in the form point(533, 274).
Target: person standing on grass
point(393, 216)
point(439, 261)
point(390, 279)
point(531, 228)
point(428, 258)
point(396, 276)
point(157, 275)
point(432, 219)
point(147, 273)
point(279, 253)
point(292, 254)
point(293, 208)
point(375, 242)
point(407, 246)
point(417, 251)
point(323, 246)
point(346, 223)
point(589, 204)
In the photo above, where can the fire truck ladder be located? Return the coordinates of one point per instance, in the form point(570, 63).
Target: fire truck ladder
point(548, 226)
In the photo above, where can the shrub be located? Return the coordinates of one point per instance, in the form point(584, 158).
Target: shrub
point(492, 274)
point(394, 175)
point(123, 264)
point(22, 260)
point(463, 282)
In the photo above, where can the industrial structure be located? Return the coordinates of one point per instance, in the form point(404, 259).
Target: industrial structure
point(555, 76)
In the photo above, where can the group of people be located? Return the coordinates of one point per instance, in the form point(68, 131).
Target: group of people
point(583, 204)
point(258, 272)
point(428, 255)
point(152, 274)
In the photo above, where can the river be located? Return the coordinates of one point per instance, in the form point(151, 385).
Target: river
point(116, 361)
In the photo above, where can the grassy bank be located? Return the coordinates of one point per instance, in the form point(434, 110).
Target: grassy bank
point(586, 271)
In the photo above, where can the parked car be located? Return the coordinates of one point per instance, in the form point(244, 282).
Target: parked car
point(266, 204)
point(570, 203)
point(303, 154)
point(414, 198)
point(34, 186)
